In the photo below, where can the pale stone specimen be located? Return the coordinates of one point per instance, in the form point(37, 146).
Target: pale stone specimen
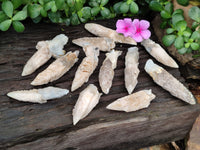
point(169, 82)
point(131, 71)
point(158, 53)
point(102, 31)
point(38, 95)
point(86, 68)
point(87, 100)
point(103, 43)
point(57, 69)
point(106, 73)
point(45, 50)
point(133, 102)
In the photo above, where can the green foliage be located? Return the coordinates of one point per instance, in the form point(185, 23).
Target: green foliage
point(69, 12)
point(178, 33)
point(183, 2)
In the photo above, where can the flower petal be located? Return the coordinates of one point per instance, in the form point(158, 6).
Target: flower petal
point(144, 24)
point(145, 34)
point(120, 24)
point(128, 20)
point(136, 23)
point(121, 30)
point(137, 37)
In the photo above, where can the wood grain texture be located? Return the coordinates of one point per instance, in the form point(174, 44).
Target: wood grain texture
point(49, 125)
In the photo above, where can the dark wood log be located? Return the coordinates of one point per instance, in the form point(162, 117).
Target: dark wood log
point(49, 125)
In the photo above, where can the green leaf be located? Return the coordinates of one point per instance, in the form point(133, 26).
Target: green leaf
point(195, 35)
point(105, 12)
point(41, 2)
point(187, 45)
point(187, 33)
point(93, 4)
point(37, 19)
point(170, 30)
point(195, 25)
point(3, 16)
point(70, 3)
point(83, 20)
point(124, 8)
point(7, 7)
point(104, 2)
point(189, 50)
point(169, 8)
point(53, 7)
point(20, 15)
point(18, 26)
point(165, 14)
point(176, 18)
point(54, 17)
point(74, 19)
point(179, 42)
point(155, 6)
point(34, 10)
point(182, 50)
point(95, 11)
point(181, 25)
point(194, 13)
point(78, 6)
point(116, 7)
point(43, 12)
point(16, 3)
point(168, 39)
point(183, 2)
point(60, 4)
point(66, 21)
point(195, 46)
point(4, 26)
point(163, 25)
point(134, 8)
point(178, 11)
point(86, 12)
point(186, 39)
point(48, 5)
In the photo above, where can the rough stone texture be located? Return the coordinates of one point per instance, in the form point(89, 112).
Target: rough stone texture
point(49, 126)
point(194, 137)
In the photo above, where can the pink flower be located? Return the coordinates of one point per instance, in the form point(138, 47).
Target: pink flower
point(125, 27)
point(141, 30)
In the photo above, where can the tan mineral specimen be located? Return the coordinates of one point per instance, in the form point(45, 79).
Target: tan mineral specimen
point(103, 43)
point(86, 68)
point(133, 102)
point(131, 70)
point(102, 31)
point(87, 100)
point(45, 50)
point(38, 95)
point(169, 82)
point(106, 73)
point(158, 53)
point(57, 69)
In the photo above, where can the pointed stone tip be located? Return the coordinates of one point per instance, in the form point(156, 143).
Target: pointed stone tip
point(35, 83)
point(75, 122)
point(105, 91)
point(24, 73)
point(73, 88)
point(175, 65)
point(130, 90)
point(110, 107)
point(11, 95)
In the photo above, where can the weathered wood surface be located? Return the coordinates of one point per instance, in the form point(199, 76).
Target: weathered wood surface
point(49, 126)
